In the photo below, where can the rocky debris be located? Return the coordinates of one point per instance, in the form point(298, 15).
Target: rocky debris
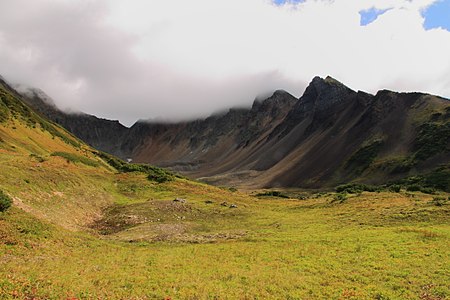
point(181, 200)
point(224, 203)
point(233, 206)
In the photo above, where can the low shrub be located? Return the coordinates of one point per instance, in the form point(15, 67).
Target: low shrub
point(396, 188)
point(74, 158)
point(5, 201)
point(156, 174)
point(428, 190)
point(339, 197)
point(272, 194)
point(439, 201)
point(356, 188)
point(419, 188)
point(414, 188)
point(159, 175)
point(438, 179)
point(37, 158)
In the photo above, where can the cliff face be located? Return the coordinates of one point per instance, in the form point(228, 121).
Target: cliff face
point(102, 134)
point(328, 136)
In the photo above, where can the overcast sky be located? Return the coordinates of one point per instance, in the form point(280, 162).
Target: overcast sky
point(181, 59)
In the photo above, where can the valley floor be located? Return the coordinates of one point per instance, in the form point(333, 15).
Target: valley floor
point(370, 246)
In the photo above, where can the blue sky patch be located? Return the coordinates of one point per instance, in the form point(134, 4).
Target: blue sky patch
point(437, 15)
point(281, 2)
point(370, 15)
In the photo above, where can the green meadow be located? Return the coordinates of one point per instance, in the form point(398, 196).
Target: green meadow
point(144, 245)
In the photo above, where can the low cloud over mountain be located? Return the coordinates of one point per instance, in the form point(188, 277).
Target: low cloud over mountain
point(176, 60)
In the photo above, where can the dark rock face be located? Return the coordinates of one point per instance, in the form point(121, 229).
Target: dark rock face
point(319, 97)
point(328, 136)
point(102, 134)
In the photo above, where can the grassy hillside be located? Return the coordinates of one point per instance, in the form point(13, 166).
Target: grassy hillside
point(84, 225)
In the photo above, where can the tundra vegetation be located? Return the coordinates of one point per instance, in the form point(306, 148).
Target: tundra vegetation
point(85, 225)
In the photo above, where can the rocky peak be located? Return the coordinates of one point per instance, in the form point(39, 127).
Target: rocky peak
point(280, 99)
point(319, 98)
point(322, 94)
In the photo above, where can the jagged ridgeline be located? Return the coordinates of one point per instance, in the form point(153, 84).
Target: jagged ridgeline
point(329, 136)
point(78, 223)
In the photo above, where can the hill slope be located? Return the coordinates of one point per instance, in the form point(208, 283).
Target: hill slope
point(331, 135)
point(85, 225)
point(55, 176)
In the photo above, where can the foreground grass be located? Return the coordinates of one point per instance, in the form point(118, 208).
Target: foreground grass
point(373, 246)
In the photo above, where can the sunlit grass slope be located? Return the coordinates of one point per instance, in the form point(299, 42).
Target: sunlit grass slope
point(82, 229)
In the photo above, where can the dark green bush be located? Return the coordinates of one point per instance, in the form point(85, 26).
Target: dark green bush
point(356, 188)
point(419, 188)
point(428, 190)
point(395, 188)
point(37, 158)
point(438, 179)
point(156, 174)
point(5, 201)
point(272, 194)
point(339, 197)
point(159, 175)
point(414, 188)
point(70, 157)
point(439, 201)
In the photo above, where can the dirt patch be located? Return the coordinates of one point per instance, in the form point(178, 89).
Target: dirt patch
point(174, 232)
point(121, 217)
point(151, 232)
point(161, 220)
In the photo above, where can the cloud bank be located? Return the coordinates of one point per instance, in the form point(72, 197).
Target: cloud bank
point(180, 59)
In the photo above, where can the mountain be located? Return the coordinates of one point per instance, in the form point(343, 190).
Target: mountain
point(330, 135)
point(99, 133)
point(76, 223)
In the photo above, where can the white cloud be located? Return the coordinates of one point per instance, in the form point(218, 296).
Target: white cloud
point(181, 59)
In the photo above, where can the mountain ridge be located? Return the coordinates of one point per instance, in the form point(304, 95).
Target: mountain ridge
point(79, 223)
point(284, 141)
